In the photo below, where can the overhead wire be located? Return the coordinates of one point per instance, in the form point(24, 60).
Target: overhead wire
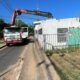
point(9, 5)
point(6, 5)
point(37, 5)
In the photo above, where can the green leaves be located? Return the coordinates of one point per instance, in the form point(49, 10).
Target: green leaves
point(20, 23)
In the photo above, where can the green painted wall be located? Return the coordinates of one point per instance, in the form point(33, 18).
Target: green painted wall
point(74, 36)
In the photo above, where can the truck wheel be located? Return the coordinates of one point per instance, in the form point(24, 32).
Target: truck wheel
point(8, 44)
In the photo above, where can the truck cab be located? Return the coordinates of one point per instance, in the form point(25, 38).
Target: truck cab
point(14, 35)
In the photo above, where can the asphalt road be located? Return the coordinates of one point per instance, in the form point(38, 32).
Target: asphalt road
point(9, 56)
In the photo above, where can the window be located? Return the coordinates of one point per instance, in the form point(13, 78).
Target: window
point(62, 34)
point(11, 30)
point(40, 31)
point(36, 31)
point(24, 29)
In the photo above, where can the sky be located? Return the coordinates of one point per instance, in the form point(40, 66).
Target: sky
point(59, 8)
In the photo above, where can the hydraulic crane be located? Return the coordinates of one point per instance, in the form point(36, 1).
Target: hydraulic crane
point(33, 12)
point(13, 34)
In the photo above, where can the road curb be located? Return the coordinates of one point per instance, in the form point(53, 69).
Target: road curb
point(50, 67)
point(2, 46)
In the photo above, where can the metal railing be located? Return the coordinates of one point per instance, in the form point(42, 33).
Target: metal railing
point(65, 43)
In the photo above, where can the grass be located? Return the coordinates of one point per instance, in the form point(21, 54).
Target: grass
point(66, 62)
point(1, 42)
point(59, 70)
point(1, 39)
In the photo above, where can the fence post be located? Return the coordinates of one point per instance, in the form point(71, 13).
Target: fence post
point(44, 42)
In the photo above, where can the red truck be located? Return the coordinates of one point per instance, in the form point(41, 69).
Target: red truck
point(15, 34)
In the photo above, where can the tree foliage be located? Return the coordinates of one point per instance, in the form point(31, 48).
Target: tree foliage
point(2, 25)
point(31, 30)
point(20, 23)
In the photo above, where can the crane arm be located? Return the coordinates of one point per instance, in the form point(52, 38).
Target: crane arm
point(33, 12)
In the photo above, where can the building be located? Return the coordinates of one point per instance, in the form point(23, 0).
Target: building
point(53, 33)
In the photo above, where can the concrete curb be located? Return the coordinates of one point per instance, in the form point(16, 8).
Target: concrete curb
point(50, 66)
point(3, 46)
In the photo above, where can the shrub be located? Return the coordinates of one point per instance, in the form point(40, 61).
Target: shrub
point(49, 52)
point(1, 34)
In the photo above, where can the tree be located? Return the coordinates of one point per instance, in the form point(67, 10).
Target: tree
point(1, 21)
point(2, 24)
point(31, 30)
point(20, 23)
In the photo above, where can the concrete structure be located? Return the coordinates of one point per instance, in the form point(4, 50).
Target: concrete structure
point(57, 33)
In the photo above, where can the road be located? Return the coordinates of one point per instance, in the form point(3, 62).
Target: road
point(9, 56)
point(36, 65)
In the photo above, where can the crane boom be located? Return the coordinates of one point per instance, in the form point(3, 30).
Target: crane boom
point(33, 12)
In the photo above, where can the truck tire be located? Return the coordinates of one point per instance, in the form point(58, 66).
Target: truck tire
point(7, 44)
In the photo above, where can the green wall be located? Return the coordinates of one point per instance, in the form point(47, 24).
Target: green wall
point(74, 36)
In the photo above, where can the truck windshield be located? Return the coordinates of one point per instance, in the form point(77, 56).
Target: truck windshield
point(12, 30)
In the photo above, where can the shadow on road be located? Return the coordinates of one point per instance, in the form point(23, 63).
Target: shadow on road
point(40, 63)
point(26, 42)
point(43, 62)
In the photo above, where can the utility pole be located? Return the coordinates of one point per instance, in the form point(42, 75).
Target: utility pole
point(37, 10)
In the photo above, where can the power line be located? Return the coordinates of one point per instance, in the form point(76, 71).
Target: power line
point(6, 5)
point(7, 2)
point(37, 5)
point(7, 17)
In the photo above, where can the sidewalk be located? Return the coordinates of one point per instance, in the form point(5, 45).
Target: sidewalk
point(29, 67)
point(37, 66)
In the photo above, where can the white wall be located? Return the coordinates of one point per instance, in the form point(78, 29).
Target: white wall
point(50, 26)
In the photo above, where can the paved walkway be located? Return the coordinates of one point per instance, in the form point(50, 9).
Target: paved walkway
point(37, 66)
